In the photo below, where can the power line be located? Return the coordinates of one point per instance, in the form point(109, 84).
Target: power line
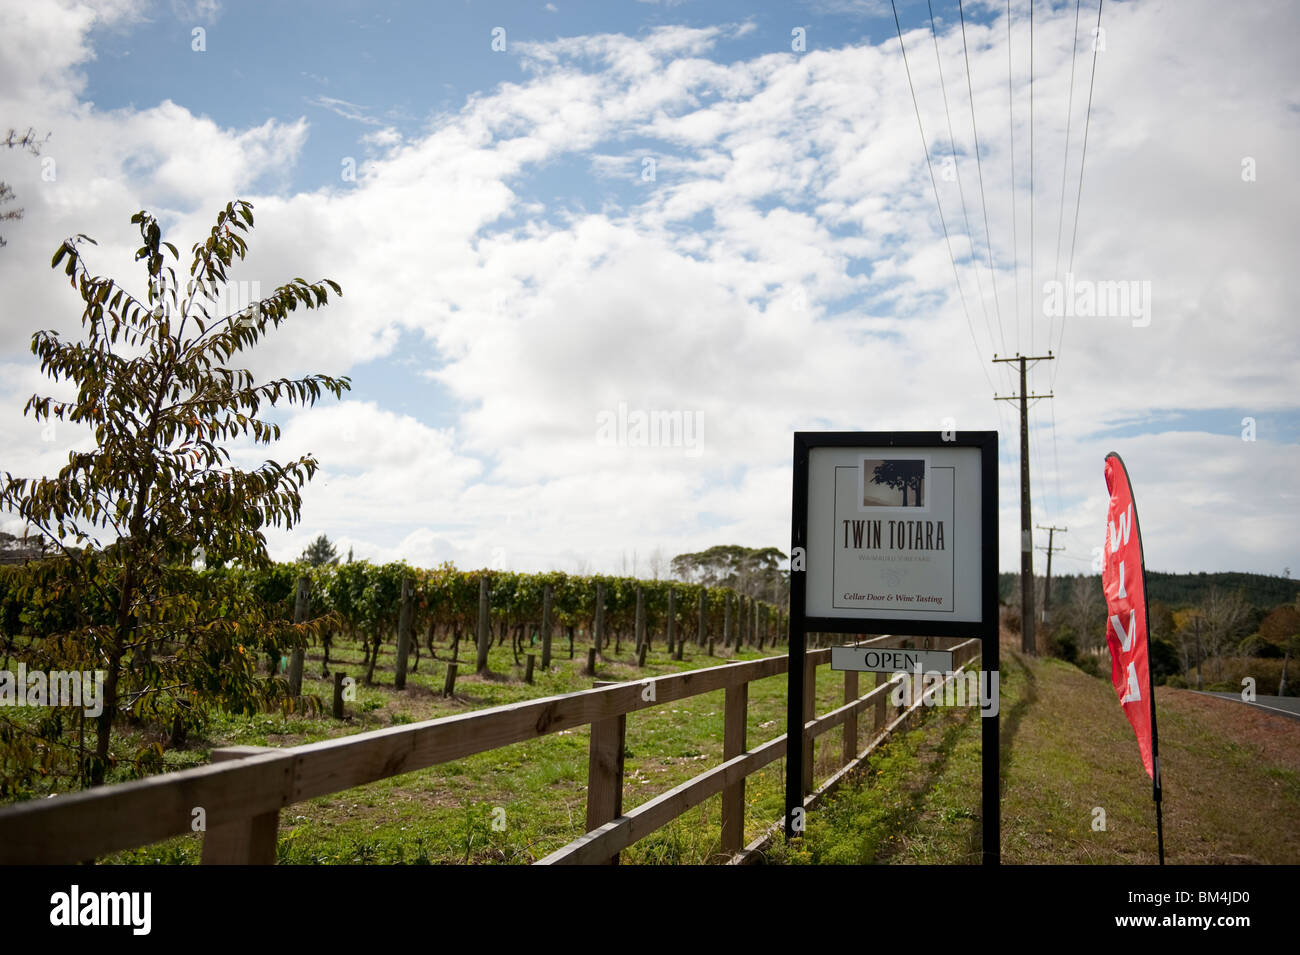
point(1037, 448)
point(1056, 455)
point(1035, 441)
point(1065, 162)
point(1033, 288)
point(1083, 158)
point(952, 140)
point(979, 166)
point(1011, 123)
point(935, 186)
point(1069, 556)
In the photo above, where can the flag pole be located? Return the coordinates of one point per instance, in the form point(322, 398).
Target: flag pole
point(1156, 793)
point(1155, 748)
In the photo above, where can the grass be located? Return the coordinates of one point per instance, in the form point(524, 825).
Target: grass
point(1231, 783)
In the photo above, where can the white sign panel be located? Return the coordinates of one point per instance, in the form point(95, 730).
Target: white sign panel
point(891, 660)
point(894, 533)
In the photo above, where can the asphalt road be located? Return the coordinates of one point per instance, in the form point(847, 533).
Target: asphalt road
point(1283, 705)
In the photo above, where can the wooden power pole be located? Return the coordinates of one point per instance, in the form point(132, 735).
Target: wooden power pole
point(1027, 643)
point(1047, 585)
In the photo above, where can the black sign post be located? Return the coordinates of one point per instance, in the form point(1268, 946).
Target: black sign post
point(972, 604)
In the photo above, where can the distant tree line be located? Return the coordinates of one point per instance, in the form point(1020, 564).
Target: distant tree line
point(753, 571)
point(1198, 622)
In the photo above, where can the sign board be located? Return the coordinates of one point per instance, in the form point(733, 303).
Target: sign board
point(893, 533)
point(891, 660)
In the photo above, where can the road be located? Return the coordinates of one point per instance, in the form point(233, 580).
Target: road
point(1283, 705)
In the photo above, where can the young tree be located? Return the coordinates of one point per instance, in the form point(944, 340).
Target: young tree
point(1087, 612)
point(153, 384)
point(1188, 625)
point(1225, 614)
point(321, 553)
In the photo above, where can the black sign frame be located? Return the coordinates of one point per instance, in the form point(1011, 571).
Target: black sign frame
point(985, 630)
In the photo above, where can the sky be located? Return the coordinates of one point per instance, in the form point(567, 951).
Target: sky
point(552, 219)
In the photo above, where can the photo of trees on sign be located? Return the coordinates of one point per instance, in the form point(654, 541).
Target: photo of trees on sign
point(893, 482)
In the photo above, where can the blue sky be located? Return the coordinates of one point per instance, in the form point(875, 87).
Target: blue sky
point(511, 268)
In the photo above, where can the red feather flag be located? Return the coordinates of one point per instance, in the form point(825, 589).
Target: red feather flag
point(1124, 581)
point(1123, 578)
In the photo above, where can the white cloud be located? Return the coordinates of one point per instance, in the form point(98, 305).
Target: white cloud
point(784, 270)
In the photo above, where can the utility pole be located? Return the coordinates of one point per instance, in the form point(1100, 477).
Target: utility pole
point(1047, 585)
point(1027, 643)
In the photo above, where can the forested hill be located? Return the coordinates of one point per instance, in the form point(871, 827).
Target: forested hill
point(1176, 590)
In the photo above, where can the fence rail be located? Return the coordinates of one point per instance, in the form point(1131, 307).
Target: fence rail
point(243, 791)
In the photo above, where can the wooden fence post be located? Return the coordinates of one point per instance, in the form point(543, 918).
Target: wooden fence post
point(711, 653)
point(338, 694)
point(598, 628)
point(726, 621)
point(449, 687)
point(881, 701)
point(484, 633)
point(547, 597)
point(640, 622)
point(248, 841)
point(851, 721)
point(605, 773)
point(640, 655)
point(300, 604)
point(672, 626)
point(404, 625)
point(528, 669)
point(701, 637)
point(734, 731)
point(591, 662)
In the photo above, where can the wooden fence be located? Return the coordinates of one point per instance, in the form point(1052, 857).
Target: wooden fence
point(242, 792)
